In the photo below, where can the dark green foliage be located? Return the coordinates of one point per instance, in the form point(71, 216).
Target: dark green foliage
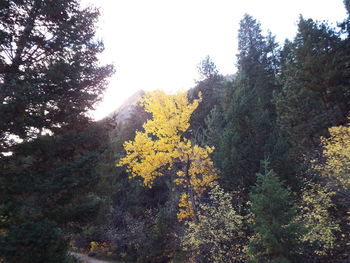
point(277, 235)
point(315, 78)
point(211, 89)
point(49, 78)
point(249, 132)
point(54, 169)
point(214, 123)
point(314, 94)
point(49, 73)
point(207, 68)
point(34, 242)
point(53, 177)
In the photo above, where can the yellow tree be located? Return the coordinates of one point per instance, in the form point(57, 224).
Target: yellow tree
point(162, 148)
point(337, 152)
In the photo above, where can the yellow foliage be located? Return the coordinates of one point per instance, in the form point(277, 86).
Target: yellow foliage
point(93, 246)
point(336, 149)
point(321, 226)
point(219, 236)
point(102, 247)
point(185, 206)
point(162, 144)
point(337, 152)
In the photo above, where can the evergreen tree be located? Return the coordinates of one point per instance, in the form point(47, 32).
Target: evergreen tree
point(49, 78)
point(211, 87)
point(34, 242)
point(207, 68)
point(250, 115)
point(49, 73)
point(214, 123)
point(315, 79)
point(53, 177)
point(277, 235)
point(50, 178)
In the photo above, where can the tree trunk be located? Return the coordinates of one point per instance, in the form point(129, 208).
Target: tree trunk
point(191, 192)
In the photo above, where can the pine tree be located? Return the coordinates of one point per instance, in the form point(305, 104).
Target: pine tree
point(277, 235)
point(34, 242)
point(49, 72)
point(49, 78)
point(249, 133)
point(207, 68)
point(211, 86)
point(54, 177)
point(315, 79)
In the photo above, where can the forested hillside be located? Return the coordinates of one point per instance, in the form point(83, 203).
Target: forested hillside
point(253, 167)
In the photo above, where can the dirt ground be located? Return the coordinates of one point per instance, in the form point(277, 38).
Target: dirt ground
point(85, 259)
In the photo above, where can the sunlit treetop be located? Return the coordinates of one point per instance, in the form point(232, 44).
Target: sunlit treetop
point(171, 113)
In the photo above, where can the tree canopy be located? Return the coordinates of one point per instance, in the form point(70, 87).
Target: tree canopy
point(49, 72)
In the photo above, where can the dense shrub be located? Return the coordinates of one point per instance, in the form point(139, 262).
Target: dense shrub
point(34, 242)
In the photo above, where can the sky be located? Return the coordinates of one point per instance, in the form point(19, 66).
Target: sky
point(157, 44)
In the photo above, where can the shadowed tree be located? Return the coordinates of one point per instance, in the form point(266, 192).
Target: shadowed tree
point(49, 72)
point(250, 115)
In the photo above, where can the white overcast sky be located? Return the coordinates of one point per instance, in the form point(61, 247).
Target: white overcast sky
point(157, 44)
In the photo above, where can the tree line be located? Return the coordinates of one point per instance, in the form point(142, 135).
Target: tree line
point(249, 168)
